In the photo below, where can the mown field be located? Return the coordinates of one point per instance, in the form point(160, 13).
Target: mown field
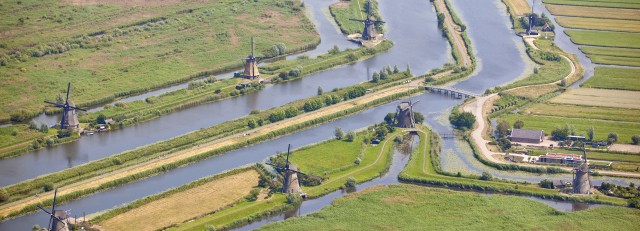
point(605, 39)
point(587, 112)
point(615, 60)
point(614, 78)
point(345, 10)
point(634, 4)
point(594, 12)
point(330, 155)
point(613, 56)
point(599, 24)
point(602, 128)
point(110, 50)
point(599, 97)
point(517, 7)
point(406, 207)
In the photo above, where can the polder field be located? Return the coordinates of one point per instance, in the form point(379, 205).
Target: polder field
point(393, 208)
point(116, 48)
point(607, 31)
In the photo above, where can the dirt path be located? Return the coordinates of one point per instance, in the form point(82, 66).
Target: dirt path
point(457, 35)
point(95, 182)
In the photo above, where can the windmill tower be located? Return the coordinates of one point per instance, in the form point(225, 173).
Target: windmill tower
point(581, 180)
point(532, 21)
point(58, 218)
point(369, 31)
point(404, 115)
point(251, 64)
point(290, 183)
point(69, 116)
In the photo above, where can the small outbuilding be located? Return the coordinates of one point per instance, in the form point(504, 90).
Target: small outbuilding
point(526, 136)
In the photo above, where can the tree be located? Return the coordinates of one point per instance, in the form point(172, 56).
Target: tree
point(612, 138)
point(590, 133)
point(252, 123)
point(33, 125)
point(408, 70)
point(4, 195)
point(396, 70)
point(560, 133)
point(101, 119)
point(546, 184)
point(253, 195)
point(518, 124)
point(334, 50)
point(350, 136)
point(504, 143)
point(338, 133)
point(44, 128)
point(351, 182)
point(502, 128)
point(464, 120)
point(320, 91)
point(389, 118)
point(211, 228)
point(375, 77)
point(486, 176)
point(418, 117)
point(48, 187)
point(635, 139)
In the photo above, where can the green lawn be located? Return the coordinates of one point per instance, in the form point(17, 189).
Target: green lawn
point(635, 4)
point(586, 112)
point(594, 12)
point(330, 155)
point(22, 134)
point(602, 128)
point(610, 51)
point(614, 78)
point(407, 207)
point(614, 60)
point(599, 24)
point(343, 11)
point(604, 39)
point(133, 49)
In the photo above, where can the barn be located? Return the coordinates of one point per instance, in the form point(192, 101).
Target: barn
point(526, 136)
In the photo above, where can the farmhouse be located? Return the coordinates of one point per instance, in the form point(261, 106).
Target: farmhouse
point(526, 136)
point(559, 158)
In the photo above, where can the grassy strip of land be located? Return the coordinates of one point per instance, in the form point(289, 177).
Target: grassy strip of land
point(624, 130)
point(614, 78)
point(599, 97)
point(604, 39)
point(632, 4)
point(405, 207)
point(586, 112)
point(108, 53)
point(594, 12)
point(342, 12)
point(609, 51)
point(599, 24)
point(186, 202)
point(375, 161)
point(615, 60)
point(517, 7)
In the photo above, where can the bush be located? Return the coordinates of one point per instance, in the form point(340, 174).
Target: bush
point(252, 123)
point(253, 195)
point(635, 139)
point(4, 195)
point(634, 203)
point(486, 176)
point(464, 120)
point(418, 117)
point(48, 187)
point(350, 136)
point(211, 228)
point(612, 138)
point(560, 133)
point(546, 184)
point(518, 124)
point(351, 182)
point(14, 132)
point(338, 133)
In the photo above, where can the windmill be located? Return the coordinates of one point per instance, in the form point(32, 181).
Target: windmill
point(290, 183)
point(581, 179)
point(58, 218)
point(404, 115)
point(251, 64)
point(532, 21)
point(69, 116)
point(369, 31)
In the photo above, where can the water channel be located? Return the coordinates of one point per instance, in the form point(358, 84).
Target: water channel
point(423, 50)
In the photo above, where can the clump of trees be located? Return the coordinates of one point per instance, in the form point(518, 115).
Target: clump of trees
point(462, 120)
point(546, 184)
point(502, 132)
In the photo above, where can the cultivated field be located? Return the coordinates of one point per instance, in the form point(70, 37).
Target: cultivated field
point(517, 7)
point(599, 24)
point(605, 39)
point(587, 112)
point(594, 12)
point(182, 206)
point(112, 50)
point(634, 4)
point(614, 78)
point(406, 207)
point(599, 97)
point(602, 127)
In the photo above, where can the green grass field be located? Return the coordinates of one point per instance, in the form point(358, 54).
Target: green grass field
point(594, 12)
point(586, 112)
point(328, 156)
point(602, 128)
point(599, 24)
point(406, 207)
point(614, 60)
point(610, 51)
point(604, 39)
point(614, 78)
point(343, 11)
point(110, 50)
point(634, 4)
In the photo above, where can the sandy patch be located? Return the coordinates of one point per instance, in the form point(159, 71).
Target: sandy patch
point(625, 148)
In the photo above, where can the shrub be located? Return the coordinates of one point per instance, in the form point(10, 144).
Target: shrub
point(350, 136)
point(464, 120)
point(253, 195)
point(211, 228)
point(4, 195)
point(351, 182)
point(634, 203)
point(44, 128)
point(635, 139)
point(518, 124)
point(338, 133)
point(612, 138)
point(418, 117)
point(546, 184)
point(48, 187)
point(358, 160)
point(252, 123)
point(14, 132)
point(116, 160)
point(486, 176)
point(33, 125)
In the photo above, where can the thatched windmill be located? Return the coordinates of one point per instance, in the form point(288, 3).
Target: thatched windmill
point(251, 64)
point(581, 180)
point(69, 116)
point(58, 218)
point(369, 31)
point(404, 115)
point(290, 183)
